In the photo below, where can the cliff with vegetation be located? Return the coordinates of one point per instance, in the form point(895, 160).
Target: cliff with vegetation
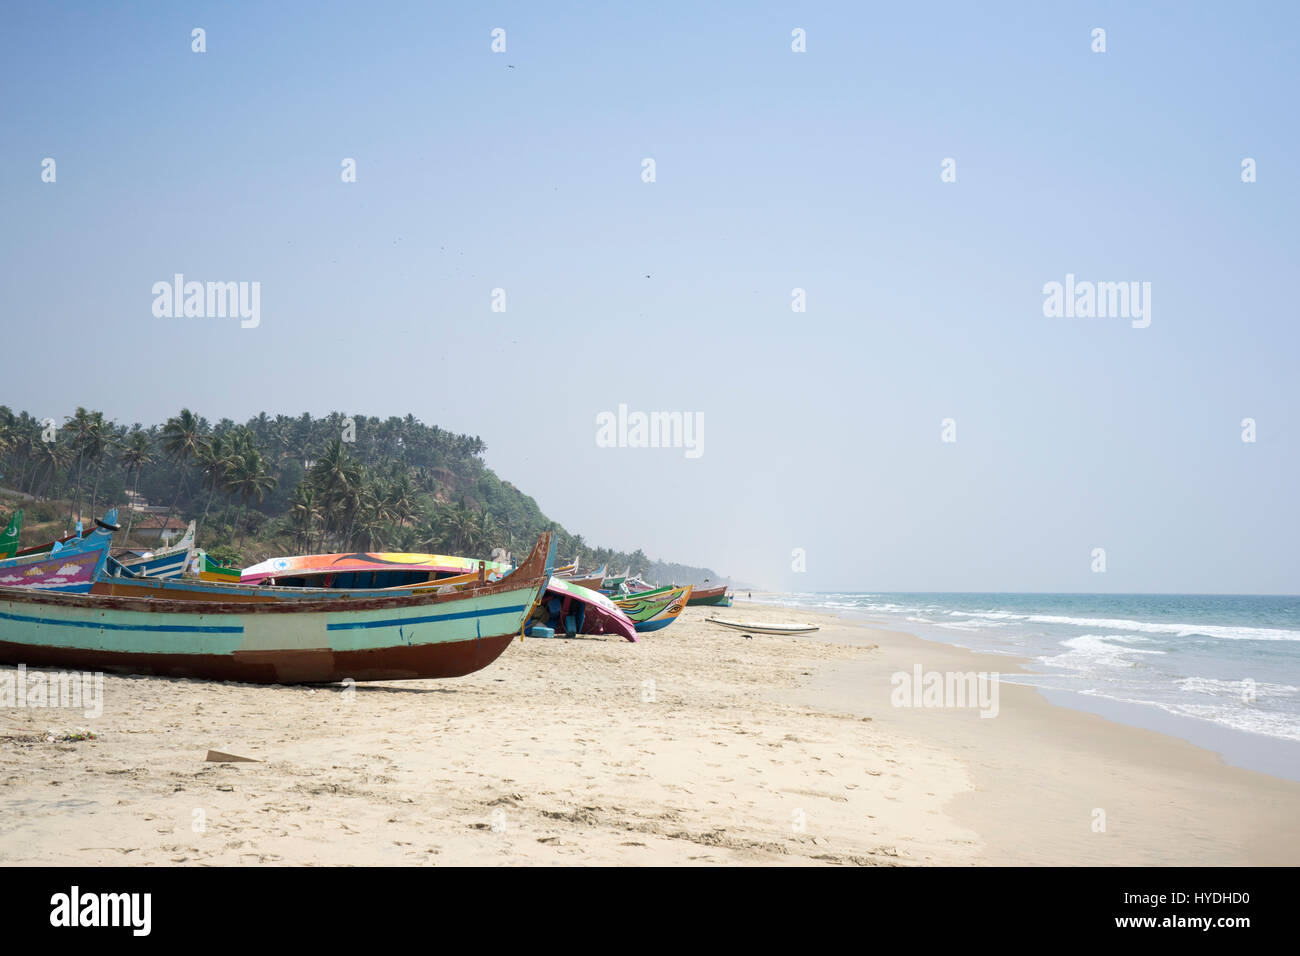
point(287, 485)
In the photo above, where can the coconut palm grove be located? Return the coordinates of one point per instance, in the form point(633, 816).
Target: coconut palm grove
point(279, 484)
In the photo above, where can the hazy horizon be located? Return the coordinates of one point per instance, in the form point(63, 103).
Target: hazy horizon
point(775, 170)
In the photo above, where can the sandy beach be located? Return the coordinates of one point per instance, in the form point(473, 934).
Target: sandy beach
point(696, 746)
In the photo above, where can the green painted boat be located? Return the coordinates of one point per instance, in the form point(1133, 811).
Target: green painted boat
point(650, 612)
point(617, 596)
point(610, 584)
point(403, 636)
point(209, 570)
point(9, 540)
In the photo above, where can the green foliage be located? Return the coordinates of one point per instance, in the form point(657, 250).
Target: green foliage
point(297, 484)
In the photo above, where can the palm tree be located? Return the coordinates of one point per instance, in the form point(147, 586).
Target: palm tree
point(303, 514)
point(401, 498)
point(249, 478)
point(215, 459)
point(182, 441)
point(53, 456)
point(337, 479)
point(98, 443)
point(83, 426)
point(458, 527)
point(136, 454)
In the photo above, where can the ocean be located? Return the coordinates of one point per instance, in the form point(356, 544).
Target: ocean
point(1222, 671)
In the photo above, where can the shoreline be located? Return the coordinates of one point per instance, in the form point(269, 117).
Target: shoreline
point(1271, 755)
point(1167, 801)
point(696, 746)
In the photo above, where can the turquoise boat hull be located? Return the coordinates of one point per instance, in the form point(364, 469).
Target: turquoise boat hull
point(401, 637)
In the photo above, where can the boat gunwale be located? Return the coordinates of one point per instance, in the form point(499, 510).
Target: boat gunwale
point(531, 575)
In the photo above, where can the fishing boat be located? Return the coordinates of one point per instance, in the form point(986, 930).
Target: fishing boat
point(398, 636)
point(48, 546)
point(167, 563)
point(636, 585)
point(209, 570)
point(711, 597)
point(567, 571)
point(365, 569)
point(652, 612)
point(611, 584)
point(9, 540)
point(565, 606)
point(70, 568)
point(593, 612)
point(620, 593)
point(568, 608)
point(765, 628)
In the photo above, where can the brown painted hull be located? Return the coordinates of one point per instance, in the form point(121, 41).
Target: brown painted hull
point(279, 666)
point(701, 595)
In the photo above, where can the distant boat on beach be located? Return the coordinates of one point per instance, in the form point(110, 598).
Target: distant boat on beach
point(765, 628)
point(166, 563)
point(711, 597)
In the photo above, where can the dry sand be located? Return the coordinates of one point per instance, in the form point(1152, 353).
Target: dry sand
point(697, 745)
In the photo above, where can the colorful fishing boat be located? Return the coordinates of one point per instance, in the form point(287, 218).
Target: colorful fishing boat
point(167, 563)
point(70, 568)
point(397, 636)
point(650, 613)
point(565, 605)
point(47, 546)
point(610, 584)
point(568, 608)
point(355, 571)
point(9, 540)
point(208, 570)
point(711, 597)
point(621, 594)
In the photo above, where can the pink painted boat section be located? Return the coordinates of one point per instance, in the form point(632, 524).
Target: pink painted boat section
point(314, 564)
point(71, 571)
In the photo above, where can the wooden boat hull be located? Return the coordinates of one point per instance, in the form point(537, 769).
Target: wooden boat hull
point(279, 666)
point(167, 563)
point(710, 597)
point(397, 637)
point(657, 611)
point(215, 573)
point(159, 566)
point(72, 570)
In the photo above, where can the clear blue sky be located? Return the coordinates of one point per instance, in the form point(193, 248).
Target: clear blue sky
point(774, 170)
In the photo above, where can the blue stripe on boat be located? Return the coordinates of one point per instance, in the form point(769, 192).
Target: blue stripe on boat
point(152, 628)
point(394, 622)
